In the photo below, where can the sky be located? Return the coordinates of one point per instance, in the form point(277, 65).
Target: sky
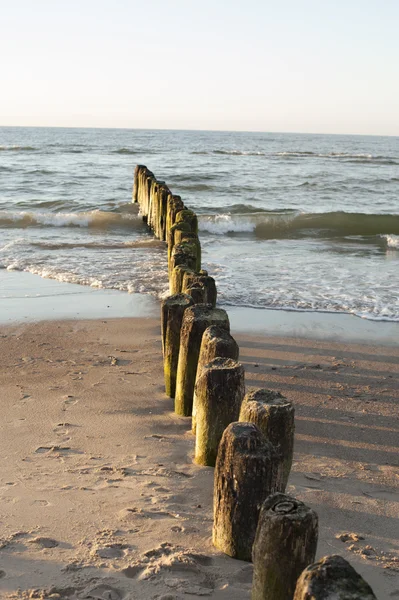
point(254, 65)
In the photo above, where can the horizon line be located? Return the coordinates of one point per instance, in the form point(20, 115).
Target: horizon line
point(196, 130)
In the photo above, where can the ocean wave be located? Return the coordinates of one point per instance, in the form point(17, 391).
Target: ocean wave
point(126, 151)
point(17, 149)
point(293, 224)
point(231, 152)
point(392, 241)
point(95, 219)
point(150, 243)
point(224, 223)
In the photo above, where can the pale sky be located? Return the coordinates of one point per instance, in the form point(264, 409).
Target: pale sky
point(255, 65)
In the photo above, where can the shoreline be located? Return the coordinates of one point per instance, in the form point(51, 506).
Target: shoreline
point(89, 434)
point(25, 297)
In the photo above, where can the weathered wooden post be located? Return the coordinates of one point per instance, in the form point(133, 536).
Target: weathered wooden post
point(219, 391)
point(190, 217)
point(176, 279)
point(136, 182)
point(216, 342)
point(198, 294)
point(274, 416)
point(175, 205)
point(171, 237)
point(195, 320)
point(184, 254)
point(285, 543)
point(172, 312)
point(332, 578)
point(202, 277)
point(243, 480)
point(180, 237)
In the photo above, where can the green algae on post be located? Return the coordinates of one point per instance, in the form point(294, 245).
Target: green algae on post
point(219, 391)
point(243, 480)
point(285, 543)
point(202, 277)
point(190, 217)
point(171, 319)
point(274, 415)
point(216, 342)
point(176, 279)
point(195, 320)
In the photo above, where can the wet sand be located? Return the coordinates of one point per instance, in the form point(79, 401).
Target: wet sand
point(99, 495)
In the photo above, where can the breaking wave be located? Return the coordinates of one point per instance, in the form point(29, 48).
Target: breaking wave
point(95, 218)
point(273, 225)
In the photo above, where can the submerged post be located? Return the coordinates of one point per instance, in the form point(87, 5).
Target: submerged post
point(243, 480)
point(274, 415)
point(285, 543)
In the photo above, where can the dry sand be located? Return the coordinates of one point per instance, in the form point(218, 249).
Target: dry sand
point(100, 498)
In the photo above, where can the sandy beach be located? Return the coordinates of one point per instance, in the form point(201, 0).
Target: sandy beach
point(100, 498)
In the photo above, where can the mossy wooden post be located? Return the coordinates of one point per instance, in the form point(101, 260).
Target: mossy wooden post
point(332, 578)
point(198, 294)
point(202, 277)
point(195, 320)
point(215, 342)
point(190, 217)
point(243, 480)
point(274, 416)
point(180, 237)
point(175, 205)
point(285, 543)
point(171, 237)
point(136, 182)
point(219, 391)
point(164, 194)
point(172, 312)
point(176, 279)
point(184, 254)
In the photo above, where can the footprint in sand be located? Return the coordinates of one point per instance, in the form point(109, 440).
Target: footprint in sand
point(44, 542)
point(109, 551)
point(2, 574)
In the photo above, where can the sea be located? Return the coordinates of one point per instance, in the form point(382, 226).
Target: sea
point(297, 222)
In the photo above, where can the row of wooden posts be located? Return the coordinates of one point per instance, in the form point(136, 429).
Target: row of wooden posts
point(249, 439)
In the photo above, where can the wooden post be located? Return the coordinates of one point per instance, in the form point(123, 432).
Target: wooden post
point(184, 254)
point(216, 342)
point(285, 543)
point(274, 416)
point(164, 194)
point(195, 320)
point(171, 237)
point(136, 182)
point(202, 277)
point(190, 217)
point(180, 237)
point(175, 205)
point(198, 294)
point(243, 480)
point(176, 279)
point(172, 312)
point(332, 578)
point(219, 391)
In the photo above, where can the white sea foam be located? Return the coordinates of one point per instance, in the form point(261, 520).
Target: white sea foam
point(392, 240)
point(226, 224)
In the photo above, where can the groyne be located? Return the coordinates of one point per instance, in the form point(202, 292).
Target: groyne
point(247, 438)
